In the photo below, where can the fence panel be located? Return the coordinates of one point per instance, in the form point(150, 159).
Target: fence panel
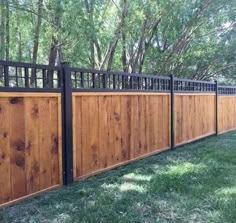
point(111, 129)
point(117, 118)
point(227, 113)
point(30, 142)
point(194, 117)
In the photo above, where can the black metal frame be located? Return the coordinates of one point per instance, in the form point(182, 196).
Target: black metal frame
point(67, 132)
point(97, 80)
point(65, 80)
point(216, 109)
point(172, 112)
point(25, 77)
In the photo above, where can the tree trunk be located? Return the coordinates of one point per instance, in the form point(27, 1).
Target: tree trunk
point(37, 31)
point(2, 30)
point(7, 30)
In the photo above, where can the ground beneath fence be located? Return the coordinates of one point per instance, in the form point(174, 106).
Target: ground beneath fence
point(194, 183)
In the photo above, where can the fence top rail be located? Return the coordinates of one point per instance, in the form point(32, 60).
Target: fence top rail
point(29, 65)
point(94, 71)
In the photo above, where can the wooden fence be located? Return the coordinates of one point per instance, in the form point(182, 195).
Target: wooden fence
point(30, 144)
point(73, 123)
point(113, 128)
point(194, 117)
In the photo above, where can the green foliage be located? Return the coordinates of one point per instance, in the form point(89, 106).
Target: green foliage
point(194, 39)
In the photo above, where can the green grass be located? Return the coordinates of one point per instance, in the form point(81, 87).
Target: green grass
point(194, 183)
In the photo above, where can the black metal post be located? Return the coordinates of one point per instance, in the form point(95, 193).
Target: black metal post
point(216, 107)
point(6, 76)
point(172, 111)
point(67, 124)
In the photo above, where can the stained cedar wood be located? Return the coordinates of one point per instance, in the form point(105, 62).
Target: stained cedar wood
point(147, 117)
point(54, 141)
point(103, 130)
point(45, 144)
point(125, 127)
point(32, 144)
point(165, 122)
point(59, 131)
point(85, 136)
point(134, 138)
point(227, 113)
point(26, 122)
point(116, 113)
point(118, 128)
point(195, 117)
point(77, 131)
point(152, 122)
point(17, 146)
point(110, 128)
point(5, 177)
point(142, 126)
point(93, 126)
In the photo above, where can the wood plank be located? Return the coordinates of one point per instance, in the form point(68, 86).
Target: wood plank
point(59, 110)
point(104, 104)
point(110, 124)
point(32, 144)
point(54, 141)
point(148, 121)
point(117, 128)
point(77, 131)
point(45, 143)
point(17, 146)
point(142, 125)
point(93, 129)
point(86, 153)
point(166, 123)
point(5, 179)
point(125, 127)
point(159, 130)
point(153, 122)
point(134, 143)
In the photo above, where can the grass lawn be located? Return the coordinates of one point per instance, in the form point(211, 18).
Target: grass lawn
point(194, 183)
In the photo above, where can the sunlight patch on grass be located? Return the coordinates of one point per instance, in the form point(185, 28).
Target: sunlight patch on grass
point(137, 177)
point(132, 187)
point(109, 186)
point(185, 168)
point(62, 218)
point(227, 191)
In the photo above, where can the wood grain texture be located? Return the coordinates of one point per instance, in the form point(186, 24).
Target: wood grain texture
point(113, 129)
point(226, 113)
point(30, 145)
point(194, 117)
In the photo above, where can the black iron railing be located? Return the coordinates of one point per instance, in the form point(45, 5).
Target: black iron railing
point(16, 76)
point(227, 90)
point(24, 76)
point(85, 79)
point(185, 85)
